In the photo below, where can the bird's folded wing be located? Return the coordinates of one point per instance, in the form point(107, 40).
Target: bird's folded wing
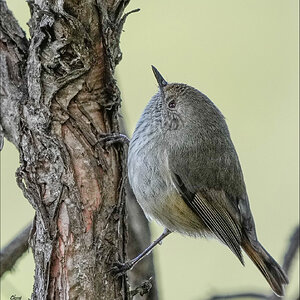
point(214, 215)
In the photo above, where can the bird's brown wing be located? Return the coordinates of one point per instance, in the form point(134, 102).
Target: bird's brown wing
point(207, 205)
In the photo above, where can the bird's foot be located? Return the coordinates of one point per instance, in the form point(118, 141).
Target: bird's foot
point(118, 269)
point(109, 139)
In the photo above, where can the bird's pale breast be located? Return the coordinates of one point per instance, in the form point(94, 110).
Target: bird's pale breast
point(150, 180)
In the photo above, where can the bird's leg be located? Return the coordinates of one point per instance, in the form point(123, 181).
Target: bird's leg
point(112, 138)
point(121, 268)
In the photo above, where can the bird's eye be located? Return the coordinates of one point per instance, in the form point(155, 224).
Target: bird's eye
point(172, 104)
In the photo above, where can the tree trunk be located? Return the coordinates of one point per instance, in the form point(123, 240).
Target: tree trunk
point(58, 95)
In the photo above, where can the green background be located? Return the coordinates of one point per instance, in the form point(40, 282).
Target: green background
point(244, 55)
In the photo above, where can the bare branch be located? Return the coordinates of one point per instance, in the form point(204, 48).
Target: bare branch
point(143, 289)
point(240, 296)
point(14, 250)
point(291, 251)
point(13, 90)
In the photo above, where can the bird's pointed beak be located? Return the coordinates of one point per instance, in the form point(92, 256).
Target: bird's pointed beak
point(160, 80)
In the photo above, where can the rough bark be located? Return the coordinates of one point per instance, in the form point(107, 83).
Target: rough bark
point(13, 91)
point(58, 94)
point(139, 237)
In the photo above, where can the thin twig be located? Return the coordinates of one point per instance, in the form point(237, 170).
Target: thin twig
point(14, 250)
point(239, 296)
point(142, 289)
point(291, 251)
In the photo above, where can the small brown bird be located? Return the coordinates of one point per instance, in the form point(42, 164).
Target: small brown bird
point(186, 175)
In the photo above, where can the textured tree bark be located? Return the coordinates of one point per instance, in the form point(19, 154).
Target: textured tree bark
point(58, 94)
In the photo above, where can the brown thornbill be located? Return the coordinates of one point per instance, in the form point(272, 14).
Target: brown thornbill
point(186, 175)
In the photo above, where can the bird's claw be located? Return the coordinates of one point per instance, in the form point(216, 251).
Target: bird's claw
point(113, 138)
point(119, 269)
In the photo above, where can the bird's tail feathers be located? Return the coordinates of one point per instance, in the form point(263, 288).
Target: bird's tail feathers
point(270, 269)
